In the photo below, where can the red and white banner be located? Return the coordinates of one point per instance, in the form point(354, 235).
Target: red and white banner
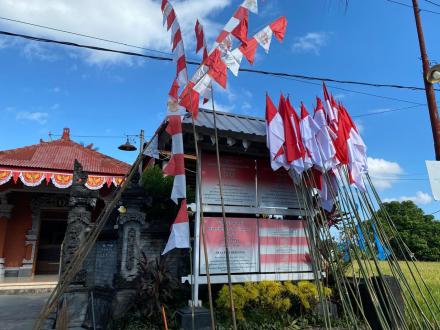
point(238, 175)
point(242, 244)
point(256, 246)
point(275, 189)
point(283, 246)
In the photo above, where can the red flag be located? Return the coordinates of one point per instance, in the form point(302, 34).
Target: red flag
point(174, 91)
point(189, 99)
point(217, 68)
point(279, 27)
point(301, 155)
point(199, 36)
point(241, 30)
point(291, 147)
point(248, 49)
point(342, 138)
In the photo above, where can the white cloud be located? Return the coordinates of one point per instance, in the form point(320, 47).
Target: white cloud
point(34, 51)
point(312, 42)
point(383, 172)
point(37, 116)
point(246, 106)
point(218, 106)
point(137, 22)
point(420, 197)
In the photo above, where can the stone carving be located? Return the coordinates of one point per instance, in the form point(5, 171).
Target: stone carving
point(131, 223)
point(131, 245)
point(82, 201)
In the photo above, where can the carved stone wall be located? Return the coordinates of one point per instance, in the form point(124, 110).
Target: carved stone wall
point(131, 224)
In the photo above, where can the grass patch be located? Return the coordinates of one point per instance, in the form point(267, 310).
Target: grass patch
point(429, 271)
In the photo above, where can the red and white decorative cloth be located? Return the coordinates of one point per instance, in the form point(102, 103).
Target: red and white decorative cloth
point(179, 237)
point(59, 180)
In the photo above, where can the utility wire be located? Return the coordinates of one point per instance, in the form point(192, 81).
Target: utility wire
point(169, 59)
point(410, 6)
point(83, 35)
point(385, 111)
point(355, 91)
point(433, 3)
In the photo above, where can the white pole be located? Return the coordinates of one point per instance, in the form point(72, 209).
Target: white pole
point(196, 257)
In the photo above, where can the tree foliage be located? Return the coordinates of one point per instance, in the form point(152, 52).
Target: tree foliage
point(419, 231)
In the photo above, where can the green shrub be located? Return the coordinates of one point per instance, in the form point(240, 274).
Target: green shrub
point(269, 298)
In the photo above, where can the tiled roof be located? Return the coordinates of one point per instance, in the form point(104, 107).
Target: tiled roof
point(230, 122)
point(60, 155)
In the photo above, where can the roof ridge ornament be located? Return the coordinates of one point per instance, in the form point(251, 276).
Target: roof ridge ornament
point(66, 134)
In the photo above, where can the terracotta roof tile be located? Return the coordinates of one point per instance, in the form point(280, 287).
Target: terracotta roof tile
point(60, 155)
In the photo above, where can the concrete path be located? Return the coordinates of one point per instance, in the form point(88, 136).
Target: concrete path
point(18, 312)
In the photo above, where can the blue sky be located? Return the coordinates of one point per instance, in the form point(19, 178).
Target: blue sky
point(46, 88)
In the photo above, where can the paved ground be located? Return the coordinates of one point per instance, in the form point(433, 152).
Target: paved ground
point(18, 312)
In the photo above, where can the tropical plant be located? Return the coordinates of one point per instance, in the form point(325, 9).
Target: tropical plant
point(157, 286)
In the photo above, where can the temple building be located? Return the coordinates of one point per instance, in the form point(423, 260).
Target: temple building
point(35, 186)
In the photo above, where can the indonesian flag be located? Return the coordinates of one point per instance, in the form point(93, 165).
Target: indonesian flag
point(309, 129)
point(275, 136)
point(179, 237)
point(331, 110)
point(306, 161)
point(355, 148)
point(323, 138)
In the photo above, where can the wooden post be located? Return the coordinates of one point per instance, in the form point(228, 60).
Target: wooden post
point(430, 93)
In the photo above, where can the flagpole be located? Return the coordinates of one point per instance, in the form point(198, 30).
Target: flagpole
point(225, 228)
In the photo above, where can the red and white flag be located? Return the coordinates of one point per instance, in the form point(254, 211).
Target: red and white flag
point(179, 237)
point(264, 37)
point(306, 160)
point(275, 136)
point(176, 165)
point(356, 150)
point(309, 130)
point(291, 147)
point(331, 110)
point(201, 40)
point(237, 24)
point(323, 138)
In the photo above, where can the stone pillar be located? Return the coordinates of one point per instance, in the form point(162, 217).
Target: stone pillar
point(82, 202)
point(26, 268)
point(5, 214)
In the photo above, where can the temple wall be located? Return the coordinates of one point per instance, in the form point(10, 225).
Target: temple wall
point(20, 222)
